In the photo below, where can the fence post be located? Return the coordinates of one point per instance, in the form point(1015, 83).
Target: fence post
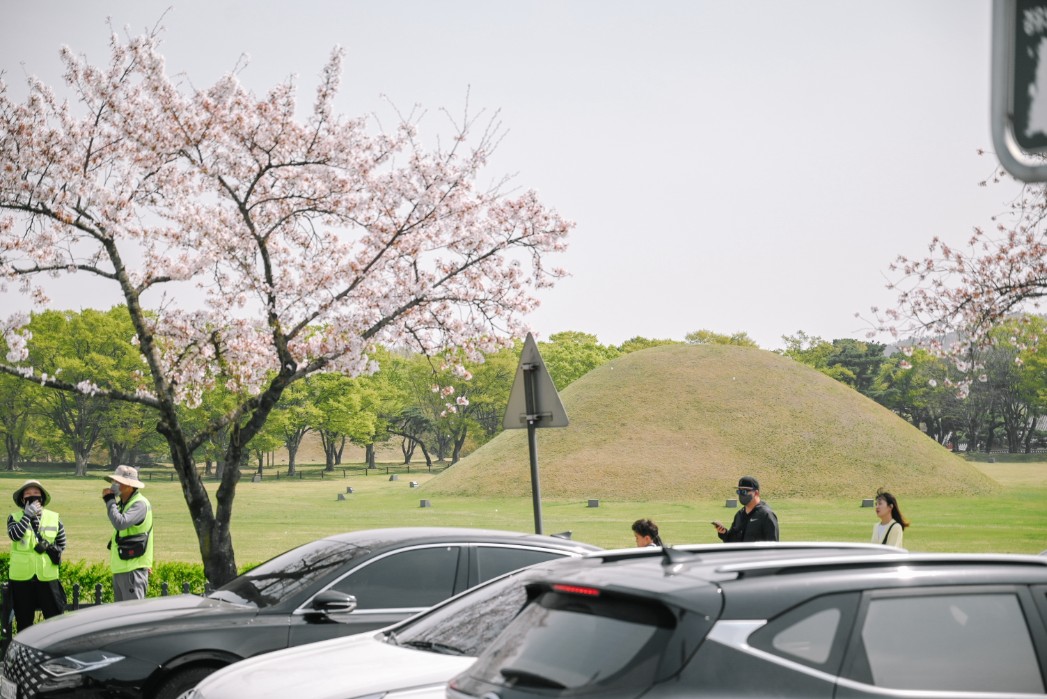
point(185, 588)
point(98, 593)
point(76, 596)
point(163, 589)
point(8, 611)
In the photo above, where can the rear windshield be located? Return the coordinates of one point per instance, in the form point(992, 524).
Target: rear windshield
point(576, 643)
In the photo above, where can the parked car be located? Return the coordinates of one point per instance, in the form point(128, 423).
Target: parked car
point(417, 657)
point(689, 625)
point(336, 586)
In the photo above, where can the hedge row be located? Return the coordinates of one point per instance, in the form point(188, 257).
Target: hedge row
point(87, 575)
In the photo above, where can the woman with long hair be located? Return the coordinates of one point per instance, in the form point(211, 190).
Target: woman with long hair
point(890, 528)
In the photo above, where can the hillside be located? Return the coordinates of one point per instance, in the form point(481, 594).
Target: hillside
point(676, 422)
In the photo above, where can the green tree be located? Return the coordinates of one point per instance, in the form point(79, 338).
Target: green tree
point(81, 347)
point(571, 355)
point(852, 362)
point(635, 344)
point(19, 401)
point(918, 387)
point(708, 337)
point(294, 416)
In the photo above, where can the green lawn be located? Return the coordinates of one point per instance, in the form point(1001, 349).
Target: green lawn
point(277, 514)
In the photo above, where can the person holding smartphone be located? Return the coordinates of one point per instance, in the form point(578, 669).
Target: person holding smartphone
point(37, 541)
point(754, 520)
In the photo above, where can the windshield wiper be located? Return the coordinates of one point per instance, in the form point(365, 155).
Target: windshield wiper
point(434, 647)
point(529, 679)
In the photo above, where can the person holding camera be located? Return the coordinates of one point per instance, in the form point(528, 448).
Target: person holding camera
point(131, 546)
point(37, 541)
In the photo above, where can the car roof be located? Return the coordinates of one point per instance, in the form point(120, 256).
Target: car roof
point(391, 537)
point(756, 578)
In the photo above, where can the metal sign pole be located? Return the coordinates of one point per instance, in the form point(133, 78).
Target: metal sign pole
point(530, 373)
point(534, 402)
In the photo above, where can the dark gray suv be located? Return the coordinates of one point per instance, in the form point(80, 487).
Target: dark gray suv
point(758, 620)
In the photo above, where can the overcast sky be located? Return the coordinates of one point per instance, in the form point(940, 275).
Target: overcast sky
point(742, 166)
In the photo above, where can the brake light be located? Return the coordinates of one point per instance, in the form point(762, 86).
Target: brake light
point(577, 590)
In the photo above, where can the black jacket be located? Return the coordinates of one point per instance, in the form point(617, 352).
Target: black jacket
point(759, 525)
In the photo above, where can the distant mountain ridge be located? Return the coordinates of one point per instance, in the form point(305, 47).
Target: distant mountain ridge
point(669, 423)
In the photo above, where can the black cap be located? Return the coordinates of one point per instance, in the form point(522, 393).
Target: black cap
point(748, 482)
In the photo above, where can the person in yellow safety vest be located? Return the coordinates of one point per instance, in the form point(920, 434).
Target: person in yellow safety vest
point(37, 541)
point(131, 545)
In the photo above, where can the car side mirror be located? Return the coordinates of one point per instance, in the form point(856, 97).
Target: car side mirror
point(332, 601)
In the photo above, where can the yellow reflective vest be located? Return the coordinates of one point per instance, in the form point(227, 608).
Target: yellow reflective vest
point(25, 561)
point(117, 564)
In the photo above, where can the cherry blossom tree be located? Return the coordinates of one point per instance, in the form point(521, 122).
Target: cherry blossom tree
point(997, 272)
point(951, 299)
point(252, 247)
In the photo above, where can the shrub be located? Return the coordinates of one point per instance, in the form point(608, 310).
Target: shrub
point(89, 575)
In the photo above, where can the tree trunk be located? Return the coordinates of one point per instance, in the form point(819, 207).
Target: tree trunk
point(428, 458)
point(292, 451)
point(369, 455)
point(11, 450)
point(340, 450)
point(81, 463)
point(407, 446)
point(327, 440)
point(459, 441)
point(212, 533)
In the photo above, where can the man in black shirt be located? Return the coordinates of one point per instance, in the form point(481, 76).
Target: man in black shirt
point(754, 521)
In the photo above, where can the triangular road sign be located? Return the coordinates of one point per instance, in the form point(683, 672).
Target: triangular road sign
point(533, 399)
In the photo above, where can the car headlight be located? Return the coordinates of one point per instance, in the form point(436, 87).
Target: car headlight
point(76, 664)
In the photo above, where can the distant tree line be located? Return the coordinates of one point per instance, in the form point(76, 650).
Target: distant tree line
point(434, 413)
point(991, 399)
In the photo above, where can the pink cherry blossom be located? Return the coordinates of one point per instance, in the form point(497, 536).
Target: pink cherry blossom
point(253, 247)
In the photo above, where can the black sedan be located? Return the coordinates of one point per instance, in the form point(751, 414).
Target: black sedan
point(336, 586)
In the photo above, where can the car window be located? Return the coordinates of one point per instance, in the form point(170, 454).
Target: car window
point(811, 638)
point(468, 625)
point(570, 641)
point(492, 561)
point(811, 633)
point(282, 577)
point(406, 579)
point(964, 642)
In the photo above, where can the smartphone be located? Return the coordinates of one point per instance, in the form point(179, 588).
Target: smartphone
point(718, 524)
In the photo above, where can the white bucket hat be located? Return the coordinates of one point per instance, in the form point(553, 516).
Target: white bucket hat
point(126, 475)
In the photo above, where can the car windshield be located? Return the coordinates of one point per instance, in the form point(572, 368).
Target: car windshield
point(468, 624)
point(568, 642)
point(283, 577)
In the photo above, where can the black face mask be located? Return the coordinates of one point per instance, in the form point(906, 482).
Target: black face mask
point(31, 498)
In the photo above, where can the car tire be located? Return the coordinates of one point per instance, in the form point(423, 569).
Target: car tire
point(181, 681)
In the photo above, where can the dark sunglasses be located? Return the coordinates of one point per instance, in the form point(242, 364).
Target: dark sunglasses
point(743, 491)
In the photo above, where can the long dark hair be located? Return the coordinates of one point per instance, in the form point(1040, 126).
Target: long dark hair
point(645, 527)
point(896, 513)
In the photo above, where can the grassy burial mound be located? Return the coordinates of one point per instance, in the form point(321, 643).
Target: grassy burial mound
point(680, 422)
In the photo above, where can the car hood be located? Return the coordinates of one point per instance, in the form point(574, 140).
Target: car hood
point(341, 668)
point(99, 626)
